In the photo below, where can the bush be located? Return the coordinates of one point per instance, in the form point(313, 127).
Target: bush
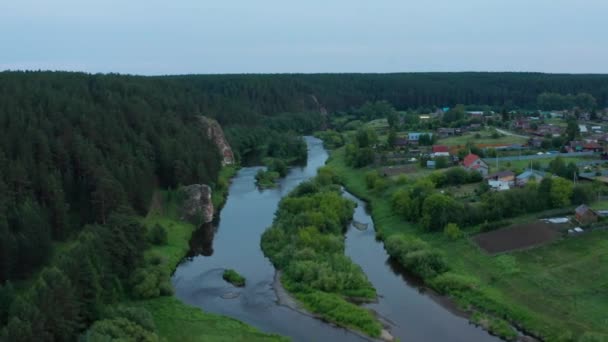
point(496, 326)
point(278, 166)
point(150, 282)
point(452, 283)
point(338, 310)
point(452, 231)
point(158, 235)
point(371, 178)
point(234, 278)
point(416, 255)
point(493, 225)
point(425, 263)
point(266, 179)
point(397, 245)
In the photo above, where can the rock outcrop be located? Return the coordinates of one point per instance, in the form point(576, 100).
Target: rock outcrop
point(197, 206)
point(214, 131)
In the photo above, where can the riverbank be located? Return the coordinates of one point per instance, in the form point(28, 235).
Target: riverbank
point(175, 320)
point(528, 295)
point(285, 299)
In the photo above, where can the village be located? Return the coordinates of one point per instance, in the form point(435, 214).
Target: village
point(502, 152)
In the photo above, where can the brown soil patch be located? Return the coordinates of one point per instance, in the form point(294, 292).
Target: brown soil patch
point(516, 237)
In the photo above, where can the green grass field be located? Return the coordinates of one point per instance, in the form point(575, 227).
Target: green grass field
point(485, 138)
point(175, 320)
point(524, 164)
point(559, 291)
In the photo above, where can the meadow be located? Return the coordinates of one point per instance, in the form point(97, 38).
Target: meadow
point(557, 292)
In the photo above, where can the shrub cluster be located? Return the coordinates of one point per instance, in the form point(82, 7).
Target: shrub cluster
point(417, 256)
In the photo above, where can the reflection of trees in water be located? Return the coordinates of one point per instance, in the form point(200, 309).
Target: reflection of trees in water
point(201, 242)
point(409, 279)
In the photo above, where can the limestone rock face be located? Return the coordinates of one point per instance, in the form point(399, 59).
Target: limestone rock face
point(214, 131)
point(197, 206)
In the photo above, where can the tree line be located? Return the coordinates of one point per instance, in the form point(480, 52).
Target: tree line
point(420, 202)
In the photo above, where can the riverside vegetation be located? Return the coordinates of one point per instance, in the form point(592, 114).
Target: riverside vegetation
point(306, 242)
point(552, 292)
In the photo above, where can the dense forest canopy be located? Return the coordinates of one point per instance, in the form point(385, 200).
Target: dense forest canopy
point(336, 92)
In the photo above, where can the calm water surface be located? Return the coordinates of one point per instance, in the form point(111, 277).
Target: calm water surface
point(234, 242)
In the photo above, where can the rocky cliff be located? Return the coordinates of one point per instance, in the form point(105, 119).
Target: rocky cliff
point(214, 131)
point(197, 206)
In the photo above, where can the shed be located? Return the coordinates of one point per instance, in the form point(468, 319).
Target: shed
point(585, 215)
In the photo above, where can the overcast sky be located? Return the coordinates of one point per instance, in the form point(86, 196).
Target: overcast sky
point(154, 37)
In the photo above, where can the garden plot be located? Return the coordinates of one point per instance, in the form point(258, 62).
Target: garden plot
point(519, 236)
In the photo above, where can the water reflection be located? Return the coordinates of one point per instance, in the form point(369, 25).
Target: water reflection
point(201, 242)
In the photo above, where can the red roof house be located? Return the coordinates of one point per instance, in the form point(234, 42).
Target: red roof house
point(440, 149)
point(473, 162)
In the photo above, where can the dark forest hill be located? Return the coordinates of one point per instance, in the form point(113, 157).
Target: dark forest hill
point(335, 92)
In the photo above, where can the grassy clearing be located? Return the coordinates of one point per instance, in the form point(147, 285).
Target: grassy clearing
point(556, 291)
point(485, 138)
point(524, 164)
point(175, 320)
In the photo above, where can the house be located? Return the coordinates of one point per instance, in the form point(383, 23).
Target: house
point(585, 215)
point(536, 142)
point(475, 127)
point(576, 146)
point(473, 162)
point(523, 124)
point(430, 164)
point(585, 116)
point(440, 151)
point(552, 130)
point(502, 176)
point(584, 146)
point(401, 143)
point(592, 146)
point(413, 138)
point(583, 129)
point(499, 185)
point(446, 132)
point(475, 114)
point(529, 175)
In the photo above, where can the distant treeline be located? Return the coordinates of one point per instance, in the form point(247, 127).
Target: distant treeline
point(338, 92)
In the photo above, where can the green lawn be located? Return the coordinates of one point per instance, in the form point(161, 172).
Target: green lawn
point(520, 165)
point(556, 291)
point(378, 124)
point(485, 138)
point(175, 320)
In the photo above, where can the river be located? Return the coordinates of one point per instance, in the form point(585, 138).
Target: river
point(233, 241)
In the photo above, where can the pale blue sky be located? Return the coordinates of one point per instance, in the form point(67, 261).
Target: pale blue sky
point(253, 36)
